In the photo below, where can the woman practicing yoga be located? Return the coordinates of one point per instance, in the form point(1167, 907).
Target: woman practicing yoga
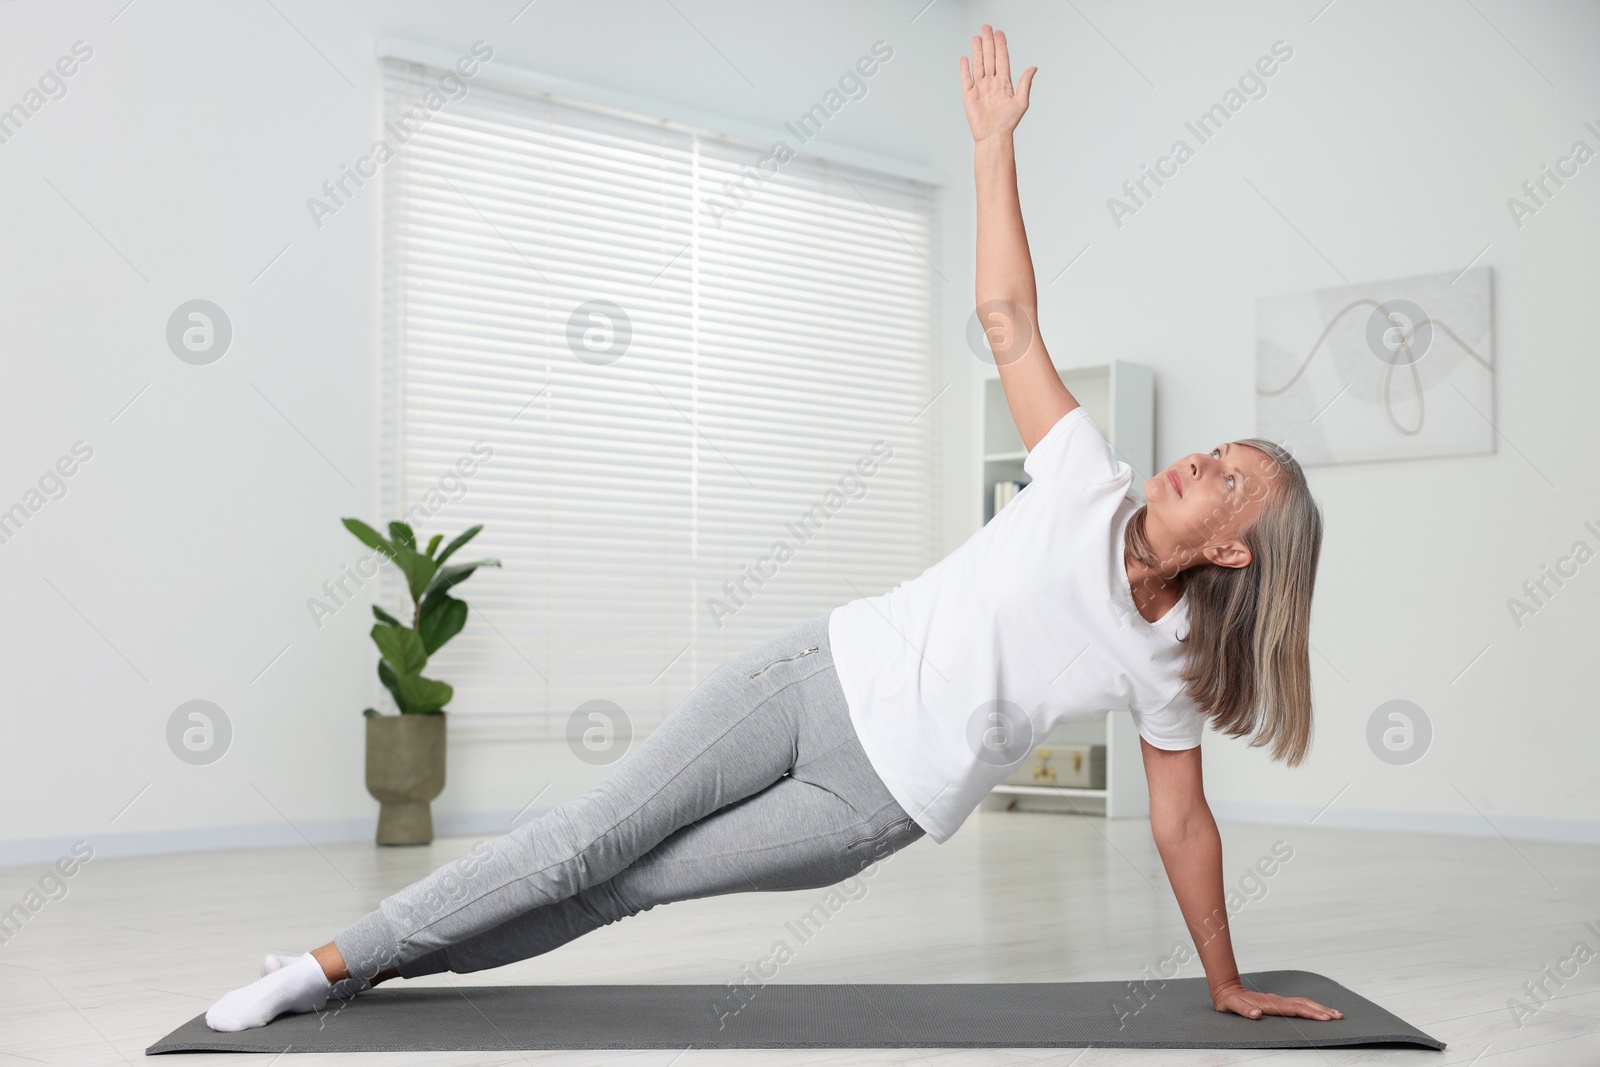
point(858, 731)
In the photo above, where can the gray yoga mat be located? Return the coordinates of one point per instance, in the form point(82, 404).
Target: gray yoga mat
point(1172, 1014)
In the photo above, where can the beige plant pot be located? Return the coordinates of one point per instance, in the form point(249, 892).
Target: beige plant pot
point(405, 771)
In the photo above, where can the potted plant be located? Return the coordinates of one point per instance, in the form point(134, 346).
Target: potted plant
point(406, 752)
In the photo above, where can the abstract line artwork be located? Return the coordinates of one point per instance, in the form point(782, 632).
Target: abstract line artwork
point(1400, 369)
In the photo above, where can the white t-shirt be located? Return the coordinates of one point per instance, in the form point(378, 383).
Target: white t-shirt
point(953, 677)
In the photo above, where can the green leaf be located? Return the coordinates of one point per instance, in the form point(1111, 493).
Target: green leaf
point(391, 682)
point(368, 536)
point(466, 535)
point(451, 576)
point(383, 616)
point(402, 536)
point(424, 695)
point(433, 545)
point(443, 619)
point(370, 713)
point(418, 569)
point(402, 648)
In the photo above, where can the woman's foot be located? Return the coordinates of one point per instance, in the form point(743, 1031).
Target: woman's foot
point(343, 989)
point(298, 986)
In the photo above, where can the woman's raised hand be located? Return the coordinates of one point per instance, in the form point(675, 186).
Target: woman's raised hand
point(993, 107)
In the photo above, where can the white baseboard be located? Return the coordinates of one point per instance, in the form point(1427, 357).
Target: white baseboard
point(1526, 827)
point(280, 834)
point(27, 851)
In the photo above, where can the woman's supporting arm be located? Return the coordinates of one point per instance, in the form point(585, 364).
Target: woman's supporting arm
point(1007, 299)
point(1191, 850)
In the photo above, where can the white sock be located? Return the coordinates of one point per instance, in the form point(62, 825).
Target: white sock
point(343, 989)
point(275, 961)
point(299, 986)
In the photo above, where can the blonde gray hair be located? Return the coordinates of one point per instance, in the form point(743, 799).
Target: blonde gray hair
point(1248, 663)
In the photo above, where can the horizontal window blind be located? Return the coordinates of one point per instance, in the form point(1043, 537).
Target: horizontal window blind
point(685, 387)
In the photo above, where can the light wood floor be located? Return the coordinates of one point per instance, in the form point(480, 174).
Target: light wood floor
point(1441, 930)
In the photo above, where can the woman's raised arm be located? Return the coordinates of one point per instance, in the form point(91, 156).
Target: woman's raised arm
point(1007, 299)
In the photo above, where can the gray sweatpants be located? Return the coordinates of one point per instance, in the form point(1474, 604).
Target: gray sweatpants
point(755, 782)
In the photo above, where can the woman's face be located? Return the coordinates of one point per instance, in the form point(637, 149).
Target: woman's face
point(1204, 501)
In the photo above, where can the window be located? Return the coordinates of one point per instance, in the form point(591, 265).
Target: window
point(665, 376)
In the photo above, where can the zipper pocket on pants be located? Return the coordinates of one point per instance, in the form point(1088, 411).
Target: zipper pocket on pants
point(906, 822)
point(785, 659)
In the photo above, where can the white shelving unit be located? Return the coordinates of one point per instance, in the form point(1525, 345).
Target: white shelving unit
point(1120, 398)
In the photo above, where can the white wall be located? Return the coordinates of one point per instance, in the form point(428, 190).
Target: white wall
point(1391, 141)
point(178, 564)
point(182, 555)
